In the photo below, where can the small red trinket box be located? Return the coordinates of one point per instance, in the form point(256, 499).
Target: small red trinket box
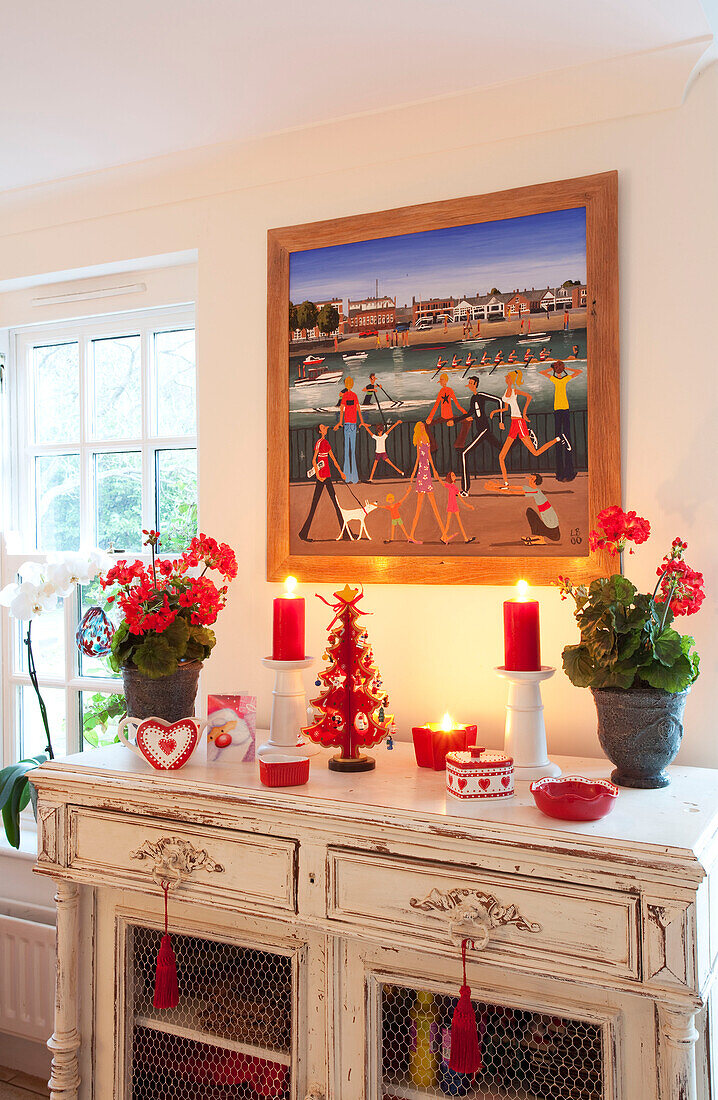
point(280, 770)
point(480, 774)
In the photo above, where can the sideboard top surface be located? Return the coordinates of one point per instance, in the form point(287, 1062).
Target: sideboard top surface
point(680, 818)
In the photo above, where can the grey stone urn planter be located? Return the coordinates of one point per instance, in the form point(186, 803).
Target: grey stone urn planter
point(170, 697)
point(640, 731)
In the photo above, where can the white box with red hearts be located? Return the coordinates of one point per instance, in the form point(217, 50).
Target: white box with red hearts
point(479, 773)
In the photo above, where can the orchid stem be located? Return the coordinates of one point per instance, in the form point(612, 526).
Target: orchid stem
point(40, 701)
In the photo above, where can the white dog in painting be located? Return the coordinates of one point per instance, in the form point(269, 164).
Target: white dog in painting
point(356, 515)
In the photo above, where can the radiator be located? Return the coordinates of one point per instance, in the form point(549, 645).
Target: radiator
point(27, 970)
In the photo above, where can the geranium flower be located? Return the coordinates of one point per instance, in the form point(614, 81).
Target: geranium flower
point(616, 529)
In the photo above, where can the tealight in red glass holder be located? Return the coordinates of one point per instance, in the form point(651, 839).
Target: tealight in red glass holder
point(432, 742)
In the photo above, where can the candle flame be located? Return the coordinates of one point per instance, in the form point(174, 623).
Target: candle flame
point(289, 585)
point(447, 723)
point(522, 590)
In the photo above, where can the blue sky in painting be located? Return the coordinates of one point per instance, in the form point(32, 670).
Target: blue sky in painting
point(534, 251)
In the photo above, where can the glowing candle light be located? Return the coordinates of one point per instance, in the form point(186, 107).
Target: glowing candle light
point(435, 739)
point(522, 639)
point(288, 632)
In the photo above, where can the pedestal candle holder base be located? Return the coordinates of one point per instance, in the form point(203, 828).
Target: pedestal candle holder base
point(525, 732)
point(289, 710)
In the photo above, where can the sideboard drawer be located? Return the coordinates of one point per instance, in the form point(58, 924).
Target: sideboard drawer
point(546, 925)
point(218, 867)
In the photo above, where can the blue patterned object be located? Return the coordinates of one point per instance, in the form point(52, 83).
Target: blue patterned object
point(94, 634)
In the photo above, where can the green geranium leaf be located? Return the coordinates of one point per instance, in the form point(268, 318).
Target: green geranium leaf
point(578, 665)
point(667, 647)
point(677, 677)
point(203, 635)
point(628, 645)
point(177, 635)
point(620, 676)
point(155, 657)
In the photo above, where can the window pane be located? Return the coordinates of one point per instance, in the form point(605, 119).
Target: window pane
point(118, 497)
point(48, 644)
point(29, 724)
point(117, 388)
point(175, 397)
point(57, 393)
point(57, 502)
point(92, 595)
point(100, 713)
point(176, 498)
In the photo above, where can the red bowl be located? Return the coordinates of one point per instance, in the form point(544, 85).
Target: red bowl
point(280, 770)
point(573, 798)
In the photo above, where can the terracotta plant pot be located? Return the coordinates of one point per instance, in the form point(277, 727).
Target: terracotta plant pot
point(640, 731)
point(170, 697)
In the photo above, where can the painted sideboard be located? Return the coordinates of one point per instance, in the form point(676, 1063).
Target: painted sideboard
point(317, 930)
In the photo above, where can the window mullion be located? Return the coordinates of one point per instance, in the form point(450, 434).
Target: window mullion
point(148, 419)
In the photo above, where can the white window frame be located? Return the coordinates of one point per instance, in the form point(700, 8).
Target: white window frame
point(20, 502)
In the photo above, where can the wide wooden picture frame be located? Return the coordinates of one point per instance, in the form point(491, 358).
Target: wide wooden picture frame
point(545, 539)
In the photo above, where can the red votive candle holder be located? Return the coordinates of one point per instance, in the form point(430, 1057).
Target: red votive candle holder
point(288, 625)
point(522, 637)
point(435, 739)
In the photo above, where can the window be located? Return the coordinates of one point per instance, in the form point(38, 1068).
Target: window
point(103, 444)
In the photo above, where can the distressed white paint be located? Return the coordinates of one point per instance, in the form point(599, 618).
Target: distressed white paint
point(365, 880)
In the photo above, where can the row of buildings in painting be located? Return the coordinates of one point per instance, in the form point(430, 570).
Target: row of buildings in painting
point(381, 312)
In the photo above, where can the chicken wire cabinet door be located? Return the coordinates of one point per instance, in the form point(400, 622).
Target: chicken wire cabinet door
point(539, 1039)
point(247, 1023)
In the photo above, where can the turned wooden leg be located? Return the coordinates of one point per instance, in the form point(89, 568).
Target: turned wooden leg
point(677, 1053)
point(65, 1042)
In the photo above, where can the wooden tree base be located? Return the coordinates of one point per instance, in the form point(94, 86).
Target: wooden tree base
point(359, 764)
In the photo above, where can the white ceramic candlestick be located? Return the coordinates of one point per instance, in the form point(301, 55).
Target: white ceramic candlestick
point(289, 710)
point(525, 732)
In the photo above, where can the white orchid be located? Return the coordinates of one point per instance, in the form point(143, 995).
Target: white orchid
point(27, 600)
point(42, 583)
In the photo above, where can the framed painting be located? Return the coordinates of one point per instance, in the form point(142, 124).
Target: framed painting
point(443, 390)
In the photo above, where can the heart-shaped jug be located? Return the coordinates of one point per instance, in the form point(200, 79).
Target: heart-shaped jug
point(167, 746)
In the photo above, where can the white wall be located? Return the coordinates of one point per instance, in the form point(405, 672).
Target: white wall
point(435, 646)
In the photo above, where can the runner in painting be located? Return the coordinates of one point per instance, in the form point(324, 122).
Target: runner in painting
point(519, 421)
point(321, 458)
point(479, 423)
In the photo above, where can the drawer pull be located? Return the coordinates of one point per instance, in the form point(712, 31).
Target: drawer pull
point(174, 859)
point(472, 914)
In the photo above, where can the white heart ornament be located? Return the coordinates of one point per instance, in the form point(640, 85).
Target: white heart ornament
point(167, 745)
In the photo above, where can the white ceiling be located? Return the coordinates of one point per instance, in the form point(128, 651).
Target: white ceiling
point(87, 84)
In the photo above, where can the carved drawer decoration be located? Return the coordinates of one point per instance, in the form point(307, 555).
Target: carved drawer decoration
point(217, 867)
point(667, 953)
point(543, 925)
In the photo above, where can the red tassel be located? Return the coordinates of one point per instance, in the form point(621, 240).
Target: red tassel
point(465, 1050)
point(166, 988)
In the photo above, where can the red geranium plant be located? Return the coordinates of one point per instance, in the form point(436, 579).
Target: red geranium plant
point(168, 606)
point(627, 637)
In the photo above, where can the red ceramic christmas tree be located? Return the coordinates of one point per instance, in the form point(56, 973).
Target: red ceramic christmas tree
point(350, 707)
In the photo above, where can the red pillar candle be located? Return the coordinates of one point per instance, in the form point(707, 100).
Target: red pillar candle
point(288, 633)
point(522, 640)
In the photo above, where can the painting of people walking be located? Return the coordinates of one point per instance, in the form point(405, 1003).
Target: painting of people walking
point(439, 386)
